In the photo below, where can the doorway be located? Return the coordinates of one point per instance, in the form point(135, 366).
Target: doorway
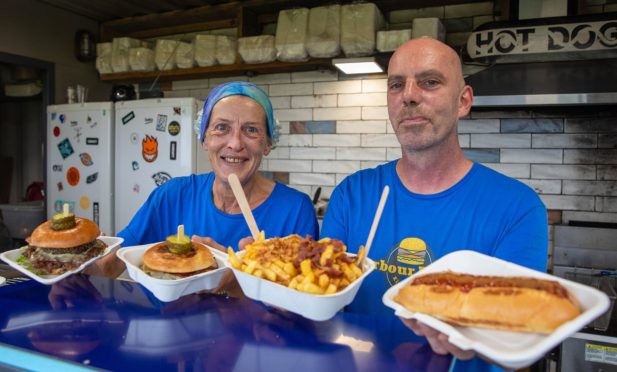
point(26, 89)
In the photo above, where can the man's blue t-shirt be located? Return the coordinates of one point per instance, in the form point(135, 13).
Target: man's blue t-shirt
point(485, 212)
point(188, 201)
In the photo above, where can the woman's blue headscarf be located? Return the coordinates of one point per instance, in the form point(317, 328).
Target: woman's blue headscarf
point(241, 88)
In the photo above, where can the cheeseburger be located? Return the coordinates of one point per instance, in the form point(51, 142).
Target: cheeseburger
point(177, 258)
point(62, 244)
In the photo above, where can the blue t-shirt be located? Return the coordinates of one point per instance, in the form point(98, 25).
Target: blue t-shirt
point(188, 201)
point(485, 212)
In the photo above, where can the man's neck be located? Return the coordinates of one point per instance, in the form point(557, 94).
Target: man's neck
point(431, 172)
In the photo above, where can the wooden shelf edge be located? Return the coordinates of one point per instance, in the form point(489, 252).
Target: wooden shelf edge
point(217, 71)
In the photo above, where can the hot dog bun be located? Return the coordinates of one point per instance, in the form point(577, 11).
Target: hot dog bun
point(520, 304)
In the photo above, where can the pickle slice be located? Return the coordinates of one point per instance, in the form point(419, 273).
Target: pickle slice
point(178, 246)
point(62, 222)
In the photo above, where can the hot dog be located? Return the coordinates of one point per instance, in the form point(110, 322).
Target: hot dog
point(521, 304)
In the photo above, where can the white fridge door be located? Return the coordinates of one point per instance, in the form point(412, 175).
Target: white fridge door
point(80, 160)
point(155, 142)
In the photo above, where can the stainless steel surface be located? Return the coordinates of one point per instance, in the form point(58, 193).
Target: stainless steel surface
point(545, 99)
point(588, 353)
point(589, 247)
point(583, 82)
point(588, 255)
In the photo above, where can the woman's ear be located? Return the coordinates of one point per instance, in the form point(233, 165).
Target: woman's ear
point(268, 147)
point(204, 144)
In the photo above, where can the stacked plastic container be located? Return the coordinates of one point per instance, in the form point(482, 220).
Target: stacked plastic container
point(359, 25)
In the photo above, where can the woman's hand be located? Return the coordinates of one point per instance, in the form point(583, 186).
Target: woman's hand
point(109, 266)
point(209, 242)
point(438, 341)
point(245, 241)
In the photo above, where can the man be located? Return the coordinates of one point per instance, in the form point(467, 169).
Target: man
point(439, 200)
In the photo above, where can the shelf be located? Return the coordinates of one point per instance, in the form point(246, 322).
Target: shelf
point(218, 71)
point(248, 17)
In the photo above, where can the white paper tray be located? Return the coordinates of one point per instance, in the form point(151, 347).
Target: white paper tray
point(10, 257)
point(315, 307)
point(510, 349)
point(169, 290)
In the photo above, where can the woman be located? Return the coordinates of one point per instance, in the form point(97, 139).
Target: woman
point(237, 130)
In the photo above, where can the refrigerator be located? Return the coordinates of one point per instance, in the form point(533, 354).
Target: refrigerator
point(80, 161)
point(154, 142)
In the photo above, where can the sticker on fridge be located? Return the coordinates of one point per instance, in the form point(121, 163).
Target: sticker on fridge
point(128, 117)
point(173, 128)
point(92, 177)
point(65, 147)
point(161, 177)
point(72, 176)
point(86, 159)
point(161, 122)
point(149, 148)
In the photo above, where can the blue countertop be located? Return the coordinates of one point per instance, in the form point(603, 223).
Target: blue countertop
point(118, 325)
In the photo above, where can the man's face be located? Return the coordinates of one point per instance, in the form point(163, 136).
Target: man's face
point(426, 94)
point(236, 138)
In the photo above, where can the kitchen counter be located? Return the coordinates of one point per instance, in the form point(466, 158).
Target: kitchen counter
point(118, 325)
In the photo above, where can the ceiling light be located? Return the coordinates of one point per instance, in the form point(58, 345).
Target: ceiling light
point(364, 65)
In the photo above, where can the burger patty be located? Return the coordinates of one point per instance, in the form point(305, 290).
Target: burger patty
point(174, 276)
point(59, 260)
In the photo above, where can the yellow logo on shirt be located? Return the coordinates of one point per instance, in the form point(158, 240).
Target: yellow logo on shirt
point(404, 259)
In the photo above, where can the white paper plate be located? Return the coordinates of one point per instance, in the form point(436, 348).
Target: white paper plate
point(510, 349)
point(315, 307)
point(10, 257)
point(169, 290)
point(2, 280)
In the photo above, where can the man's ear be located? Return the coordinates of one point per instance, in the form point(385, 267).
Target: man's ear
point(465, 101)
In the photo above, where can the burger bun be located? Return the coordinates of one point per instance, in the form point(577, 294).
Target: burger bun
point(84, 231)
point(159, 258)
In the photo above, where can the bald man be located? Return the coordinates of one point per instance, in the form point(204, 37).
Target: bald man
point(439, 201)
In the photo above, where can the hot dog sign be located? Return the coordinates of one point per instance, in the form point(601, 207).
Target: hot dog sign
point(556, 38)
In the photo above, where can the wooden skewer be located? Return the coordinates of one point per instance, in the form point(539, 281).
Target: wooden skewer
point(236, 187)
point(371, 234)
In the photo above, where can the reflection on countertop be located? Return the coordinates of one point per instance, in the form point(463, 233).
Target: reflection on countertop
point(119, 325)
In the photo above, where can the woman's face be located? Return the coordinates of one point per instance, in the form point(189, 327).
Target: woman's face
point(236, 138)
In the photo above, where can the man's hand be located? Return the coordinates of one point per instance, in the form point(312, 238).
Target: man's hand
point(438, 341)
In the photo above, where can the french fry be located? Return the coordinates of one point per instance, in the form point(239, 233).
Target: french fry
point(361, 254)
point(331, 289)
point(356, 270)
point(290, 269)
point(326, 255)
point(305, 267)
point(324, 281)
point(233, 258)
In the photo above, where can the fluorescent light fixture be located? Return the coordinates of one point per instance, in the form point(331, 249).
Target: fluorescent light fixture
point(364, 65)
